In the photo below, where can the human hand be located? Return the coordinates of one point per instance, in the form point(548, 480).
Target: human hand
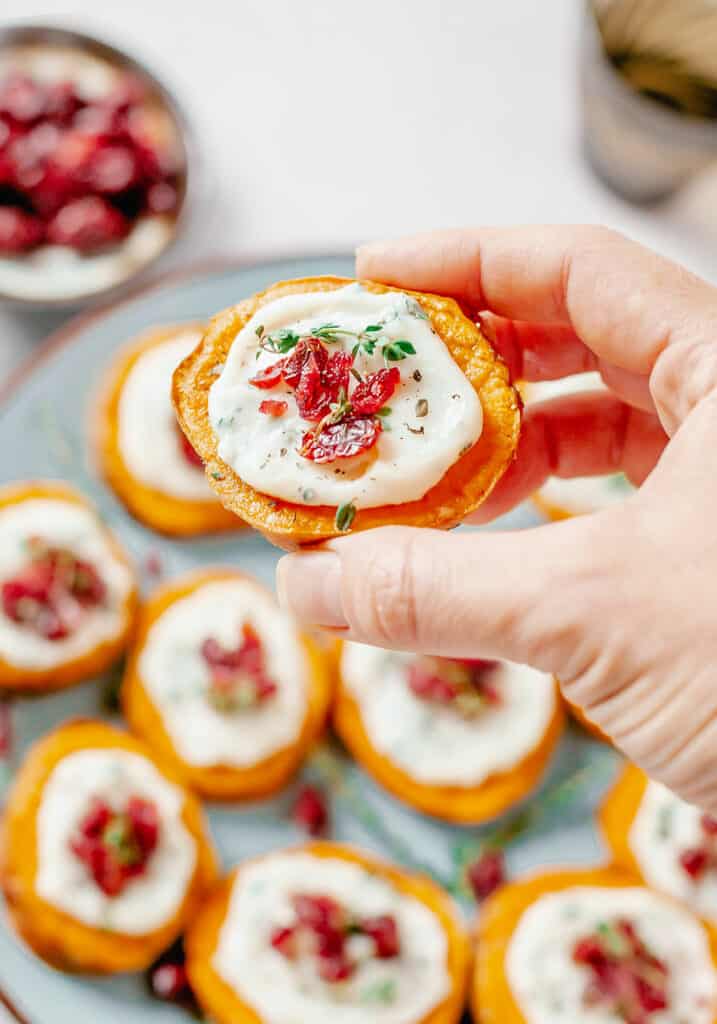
point(619, 605)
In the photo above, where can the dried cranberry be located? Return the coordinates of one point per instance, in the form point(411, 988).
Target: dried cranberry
point(22, 99)
point(284, 941)
point(63, 102)
point(335, 375)
point(487, 873)
point(187, 450)
point(19, 231)
point(318, 912)
point(303, 350)
point(29, 155)
point(335, 969)
point(384, 932)
point(310, 811)
point(162, 198)
point(170, 982)
point(87, 224)
point(144, 821)
point(112, 169)
point(269, 377)
point(313, 399)
point(350, 436)
point(428, 685)
point(270, 407)
point(694, 862)
point(115, 847)
point(372, 393)
point(238, 675)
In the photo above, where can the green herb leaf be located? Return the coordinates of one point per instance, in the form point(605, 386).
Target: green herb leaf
point(385, 411)
point(372, 328)
point(259, 330)
point(393, 351)
point(345, 515)
point(383, 991)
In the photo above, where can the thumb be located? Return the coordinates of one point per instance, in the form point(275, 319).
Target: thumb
point(524, 595)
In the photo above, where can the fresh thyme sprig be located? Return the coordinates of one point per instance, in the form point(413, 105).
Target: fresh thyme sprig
point(284, 340)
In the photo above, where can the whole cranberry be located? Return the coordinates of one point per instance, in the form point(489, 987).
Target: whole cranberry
point(162, 198)
point(487, 873)
point(169, 981)
point(22, 99)
point(87, 224)
point(112, 169)
point(63, 102)
point(19, 231)
point(310, 812)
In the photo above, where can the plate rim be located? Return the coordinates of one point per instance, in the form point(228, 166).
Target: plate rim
point(67, 332)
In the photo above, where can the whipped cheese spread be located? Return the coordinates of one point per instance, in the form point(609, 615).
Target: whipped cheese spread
point(147, 902)
point(663, 828)
point(66, 525)
point(435, 414)
point(402, 990)
point(177, 677)
point(549, 987)
point(148, 436)
point(586, 493)
point(433, 743)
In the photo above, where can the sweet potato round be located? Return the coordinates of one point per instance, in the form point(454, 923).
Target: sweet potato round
point(492, 999)
point(22, 680)
point(222, 1003)
point(220, 782)
point(466, 484)
point(52, 934)
point(173, 516)
point(465, 805)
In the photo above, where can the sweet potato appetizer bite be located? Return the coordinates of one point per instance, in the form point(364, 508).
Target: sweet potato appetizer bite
point(68, 590)
point(461, 740)
point(223, 685)
point(327, 934)
point(670, 844)
point(141, 451)
point(105, 857)
point(561, 498)
point(323, 405)
point(591, 946)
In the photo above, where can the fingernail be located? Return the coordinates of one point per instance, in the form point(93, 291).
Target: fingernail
point(309, 586)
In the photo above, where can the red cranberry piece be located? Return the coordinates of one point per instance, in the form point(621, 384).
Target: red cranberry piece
point(270, 407)
point(144, 821)
point(5, 730)
point(318, 912)
point(162, 198)
point(310, 812)
point(269, 377)
point(312, 397)
point(335, 969)
point(708, 824)
point(487, 873)
point(112, 169)
point(302, 352)
point(589, 951)
point(342, 440)
point(29, 154)
point(63, 102)
point(96, 820)
point(372, 393)
point(87, 224)
point(153, 564)
point(694, 862)
point(19, 231)
point(283, 941)
point(429, 686)
point(384, 932)
point(187, 449)
point(170, 982)
point(336, 373)
point(22, 99)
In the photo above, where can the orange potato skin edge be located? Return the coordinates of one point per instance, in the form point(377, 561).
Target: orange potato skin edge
point(53, 935)
point(223, 1004)
point(466, 484)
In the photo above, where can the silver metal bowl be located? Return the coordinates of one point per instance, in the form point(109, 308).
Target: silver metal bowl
point(121, 265)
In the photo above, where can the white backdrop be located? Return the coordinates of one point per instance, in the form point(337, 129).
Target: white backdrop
point(325, 122)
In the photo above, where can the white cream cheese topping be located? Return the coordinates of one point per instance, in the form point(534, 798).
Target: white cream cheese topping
point(413, 451)
point(586, 493)
point(147, 902)
point(433, 743)
point(663, 828)
point(61, 524)
point(148, 435)
point(401, 990)
point(549, 988)
point(177, 677)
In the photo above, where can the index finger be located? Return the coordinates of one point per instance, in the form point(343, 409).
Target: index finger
point(623, 301)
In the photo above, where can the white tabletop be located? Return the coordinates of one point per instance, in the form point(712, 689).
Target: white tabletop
point(326, 122)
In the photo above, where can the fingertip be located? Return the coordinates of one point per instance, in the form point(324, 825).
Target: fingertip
point(370, 257)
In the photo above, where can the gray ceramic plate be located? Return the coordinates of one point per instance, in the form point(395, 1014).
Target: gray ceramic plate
point(43, 434)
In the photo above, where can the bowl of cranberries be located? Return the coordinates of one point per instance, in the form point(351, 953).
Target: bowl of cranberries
point(93, 167)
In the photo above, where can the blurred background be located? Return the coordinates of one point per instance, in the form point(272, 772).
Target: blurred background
point(319, 125)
